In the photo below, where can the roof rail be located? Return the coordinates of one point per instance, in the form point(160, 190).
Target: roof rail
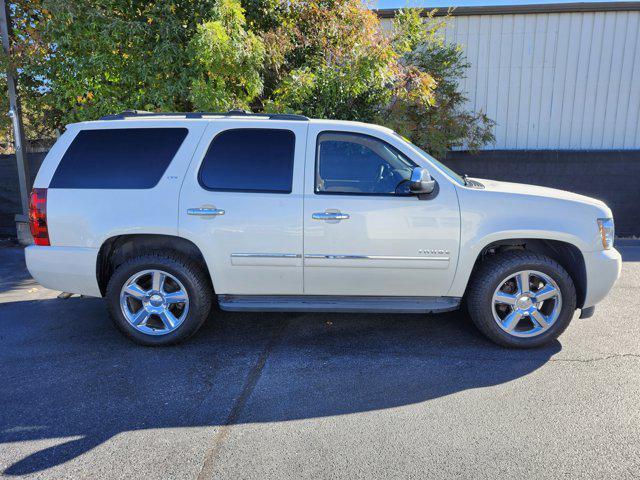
point(230, 113)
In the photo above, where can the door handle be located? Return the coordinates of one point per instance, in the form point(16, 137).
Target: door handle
point(330, 216)
point(210, 212)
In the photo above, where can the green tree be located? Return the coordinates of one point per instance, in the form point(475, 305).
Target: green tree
point(445, 122)
point(330, 59)
point(102, 56)
point(27, 22)
point(325, 58)
point(227, 61)
point(338, 64)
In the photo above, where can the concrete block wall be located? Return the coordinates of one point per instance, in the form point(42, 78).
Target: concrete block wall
point(609, 175)
point(9, 190)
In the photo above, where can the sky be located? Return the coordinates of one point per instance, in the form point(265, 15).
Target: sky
point(464, 3)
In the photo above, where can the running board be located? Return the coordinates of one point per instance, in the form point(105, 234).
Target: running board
point(322, 303)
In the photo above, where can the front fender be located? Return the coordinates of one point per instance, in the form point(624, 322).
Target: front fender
point(488, 217)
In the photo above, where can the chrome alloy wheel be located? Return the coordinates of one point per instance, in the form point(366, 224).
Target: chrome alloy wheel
point(526, 303)
point(154, 302)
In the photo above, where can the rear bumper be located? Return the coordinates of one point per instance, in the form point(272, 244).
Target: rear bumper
point(603, 269)
point(68, 269)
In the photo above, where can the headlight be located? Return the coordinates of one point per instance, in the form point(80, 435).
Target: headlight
point(607, 230)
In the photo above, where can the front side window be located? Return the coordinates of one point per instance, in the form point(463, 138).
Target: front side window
point(118, 158)
point(250, 160)
point(352, 163)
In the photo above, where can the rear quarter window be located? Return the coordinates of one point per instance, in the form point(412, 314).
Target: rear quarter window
point(122, 158)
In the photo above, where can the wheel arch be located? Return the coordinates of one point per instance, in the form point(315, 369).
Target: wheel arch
point(568, 255)
point(117, 249)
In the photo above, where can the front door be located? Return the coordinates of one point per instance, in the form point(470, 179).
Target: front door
point(363, 235)
point(241, 204)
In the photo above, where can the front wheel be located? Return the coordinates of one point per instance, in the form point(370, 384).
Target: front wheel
point(159, 299)
point(521, 299)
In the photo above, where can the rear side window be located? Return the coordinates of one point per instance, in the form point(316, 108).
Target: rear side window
point(250, 160)
point(118, 158)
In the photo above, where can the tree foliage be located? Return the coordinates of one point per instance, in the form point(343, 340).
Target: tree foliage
point(338, 64)
point(88, 58)
point(325, 58)
point(227, 60)
point(445, 122)
point(26, 22)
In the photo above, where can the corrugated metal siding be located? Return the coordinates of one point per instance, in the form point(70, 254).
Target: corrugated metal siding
point(554, 80)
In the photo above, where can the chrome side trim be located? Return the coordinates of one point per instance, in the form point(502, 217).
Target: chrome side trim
point(371, 257)
point(266, 255)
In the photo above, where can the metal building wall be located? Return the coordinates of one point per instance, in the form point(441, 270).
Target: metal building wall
point(554, 80)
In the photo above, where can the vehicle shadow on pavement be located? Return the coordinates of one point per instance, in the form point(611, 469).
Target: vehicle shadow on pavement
point(69, 377)
point(13, 272)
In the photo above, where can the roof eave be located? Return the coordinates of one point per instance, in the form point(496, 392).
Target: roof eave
point(524, 9)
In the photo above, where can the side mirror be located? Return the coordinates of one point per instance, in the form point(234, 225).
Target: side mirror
point(421, 182)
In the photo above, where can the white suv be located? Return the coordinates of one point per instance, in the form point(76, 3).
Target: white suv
point(164, 214)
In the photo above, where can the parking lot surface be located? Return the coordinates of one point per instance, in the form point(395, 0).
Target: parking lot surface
point(283, 396)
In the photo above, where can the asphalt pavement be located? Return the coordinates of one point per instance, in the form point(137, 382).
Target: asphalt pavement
point(279, 396)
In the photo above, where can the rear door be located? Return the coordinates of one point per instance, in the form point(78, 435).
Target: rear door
point(241, 204)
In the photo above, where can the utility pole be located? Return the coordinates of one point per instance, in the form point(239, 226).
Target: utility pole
point(24, 177)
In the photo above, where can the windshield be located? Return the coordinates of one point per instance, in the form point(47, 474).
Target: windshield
point(446, 170)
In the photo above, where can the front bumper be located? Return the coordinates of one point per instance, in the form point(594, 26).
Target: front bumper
point(68, 269)
point(603, 269)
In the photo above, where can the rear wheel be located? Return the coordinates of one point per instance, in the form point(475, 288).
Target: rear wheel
point(521, 299)
point(159, 299)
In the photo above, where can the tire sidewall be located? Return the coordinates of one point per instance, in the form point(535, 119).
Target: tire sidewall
point(197, 305)
point(567, 290)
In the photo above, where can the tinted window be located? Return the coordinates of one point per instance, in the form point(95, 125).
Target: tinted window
point(359, 164)
point(248, 159)
point(118, 158)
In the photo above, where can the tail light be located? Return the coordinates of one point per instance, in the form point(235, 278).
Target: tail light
point(38, 216)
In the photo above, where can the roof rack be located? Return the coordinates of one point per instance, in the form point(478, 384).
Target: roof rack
point(230, 113)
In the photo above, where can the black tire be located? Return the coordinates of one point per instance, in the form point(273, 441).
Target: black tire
point(192, 276)
point(494, 270)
